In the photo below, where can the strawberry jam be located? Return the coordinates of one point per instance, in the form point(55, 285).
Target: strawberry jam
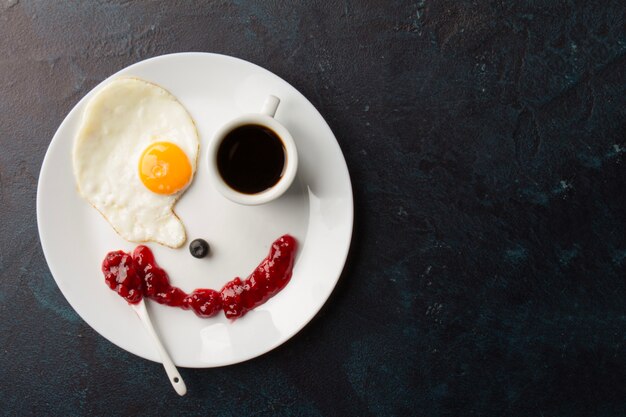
point(271, 276)
point(121, 276)
point(137, 275)
point(204, 302)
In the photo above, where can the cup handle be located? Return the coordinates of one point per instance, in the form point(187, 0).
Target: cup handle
point(270, 106)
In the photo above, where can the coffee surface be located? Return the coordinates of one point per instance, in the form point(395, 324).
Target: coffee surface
point(251, 159)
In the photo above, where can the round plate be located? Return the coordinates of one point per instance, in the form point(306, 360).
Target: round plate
point(317, 210)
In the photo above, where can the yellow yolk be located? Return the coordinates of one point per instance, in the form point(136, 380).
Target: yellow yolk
point(164, 168)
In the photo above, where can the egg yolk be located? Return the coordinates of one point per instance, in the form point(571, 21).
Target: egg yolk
point(164, 168)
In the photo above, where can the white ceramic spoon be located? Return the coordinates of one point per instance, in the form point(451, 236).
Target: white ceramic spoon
point(170, 368)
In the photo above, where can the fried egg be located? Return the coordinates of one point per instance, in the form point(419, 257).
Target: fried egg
point(134, 156)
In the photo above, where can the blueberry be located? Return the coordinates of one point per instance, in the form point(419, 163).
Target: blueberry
point(199, 248)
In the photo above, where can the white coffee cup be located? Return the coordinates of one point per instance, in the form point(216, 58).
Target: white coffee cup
point(266, 120)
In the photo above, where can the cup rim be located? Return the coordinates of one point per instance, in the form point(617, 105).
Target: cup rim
point(289, 172)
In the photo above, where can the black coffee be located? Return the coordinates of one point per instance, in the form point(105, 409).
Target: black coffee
point(251, 159)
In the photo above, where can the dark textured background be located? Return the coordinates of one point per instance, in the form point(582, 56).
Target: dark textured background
point(487, 147)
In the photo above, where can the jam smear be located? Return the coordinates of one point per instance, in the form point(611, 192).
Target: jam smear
point(204, 302)
point(121, 276)
point(271, 276)
point(137, 275)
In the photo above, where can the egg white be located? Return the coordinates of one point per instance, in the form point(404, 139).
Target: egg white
point(119, 122)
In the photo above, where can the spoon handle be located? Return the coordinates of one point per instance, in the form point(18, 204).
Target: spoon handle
point(170, 368)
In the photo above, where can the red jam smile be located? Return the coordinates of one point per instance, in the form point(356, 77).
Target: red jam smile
point(138, 275)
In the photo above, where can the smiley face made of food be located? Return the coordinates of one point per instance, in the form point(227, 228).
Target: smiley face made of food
point(134, 156)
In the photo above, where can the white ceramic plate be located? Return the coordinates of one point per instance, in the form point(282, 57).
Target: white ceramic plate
point(317, 210)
